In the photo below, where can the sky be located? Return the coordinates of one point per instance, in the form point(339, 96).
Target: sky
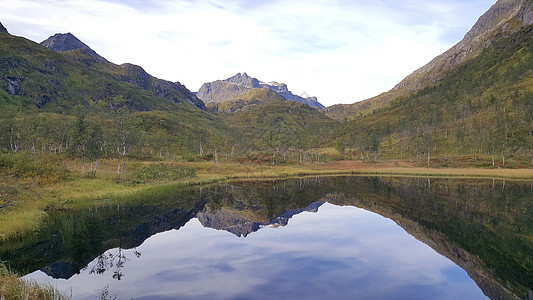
point(341, 51)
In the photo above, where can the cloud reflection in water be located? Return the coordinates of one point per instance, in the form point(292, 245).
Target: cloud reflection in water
point(337, 253)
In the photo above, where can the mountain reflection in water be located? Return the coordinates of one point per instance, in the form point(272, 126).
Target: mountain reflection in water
point(341, 251)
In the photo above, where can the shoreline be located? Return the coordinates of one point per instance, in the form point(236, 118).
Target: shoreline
point(78, 191)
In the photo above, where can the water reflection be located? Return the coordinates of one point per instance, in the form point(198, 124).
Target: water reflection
point(331, 249)
point(367, 257)
point(240, 224)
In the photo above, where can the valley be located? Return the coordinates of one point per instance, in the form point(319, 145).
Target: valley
point(78, 131)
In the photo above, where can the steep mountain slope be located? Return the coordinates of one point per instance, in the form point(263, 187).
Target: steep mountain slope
point(482, 107)
point(3, 29)
point(503, 18)
point(36, 77)
point(225, 90)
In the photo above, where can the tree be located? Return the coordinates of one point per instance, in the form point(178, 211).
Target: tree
point(341, 146)
point(126, 136)
point(79, 139)
point(94, 146)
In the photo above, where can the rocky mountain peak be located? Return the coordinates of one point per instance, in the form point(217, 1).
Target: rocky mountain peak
point(3, 29)
point(244, 80)
point(61, 42)
point(225, 90)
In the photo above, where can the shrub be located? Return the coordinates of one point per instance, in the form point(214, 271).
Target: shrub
point(42, 169)
point(167, 172)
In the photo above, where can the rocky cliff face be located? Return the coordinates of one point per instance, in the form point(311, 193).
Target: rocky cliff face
point(504, 17)
point(244, 80)
point(226, 90)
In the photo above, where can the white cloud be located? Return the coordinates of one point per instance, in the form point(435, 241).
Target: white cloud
point(340, 51)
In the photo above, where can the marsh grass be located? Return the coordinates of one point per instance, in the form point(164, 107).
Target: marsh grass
point(144, 179)
point(13, 287)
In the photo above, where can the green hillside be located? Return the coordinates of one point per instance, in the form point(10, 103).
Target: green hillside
point(34, 77)
point(281, 125)
point(484, 107)
point(252, 97)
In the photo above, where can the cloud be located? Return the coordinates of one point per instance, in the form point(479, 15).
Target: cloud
point(340, 51)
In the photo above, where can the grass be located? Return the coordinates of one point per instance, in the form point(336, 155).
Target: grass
point(33, 201)
point(13, 287)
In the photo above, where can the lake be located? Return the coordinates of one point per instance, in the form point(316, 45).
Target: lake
point(308, 238)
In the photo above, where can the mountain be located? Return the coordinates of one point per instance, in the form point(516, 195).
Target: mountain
point(225, 90)
point(68, 42)
point(503, 18)
point(475, 99)
point(63, 72)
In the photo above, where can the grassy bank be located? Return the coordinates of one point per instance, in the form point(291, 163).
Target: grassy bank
point(12, 287)
point(31, 189)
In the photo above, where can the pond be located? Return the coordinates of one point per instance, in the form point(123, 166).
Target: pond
point(308, 238)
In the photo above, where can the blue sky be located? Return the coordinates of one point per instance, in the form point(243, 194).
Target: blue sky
point(340, 51)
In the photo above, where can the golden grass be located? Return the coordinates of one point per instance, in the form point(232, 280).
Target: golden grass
point(13, 287)
point(81, 191)
point(235, 171)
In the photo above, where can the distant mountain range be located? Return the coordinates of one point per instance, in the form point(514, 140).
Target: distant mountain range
point(221, 91)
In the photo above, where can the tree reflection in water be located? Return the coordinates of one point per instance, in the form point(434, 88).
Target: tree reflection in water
point(112, 259)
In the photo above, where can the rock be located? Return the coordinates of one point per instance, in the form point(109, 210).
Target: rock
point(62, 42)
point(136, 76)
point(14, 84)
point(526, 13)
point(244, 80)
point(225, 90)
point(3, 30)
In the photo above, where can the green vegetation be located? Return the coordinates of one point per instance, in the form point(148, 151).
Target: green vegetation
point(282, 125)
point(483, 109)
point(37, 79)
point(253, 97)
point(166, 172)
point(12, 287)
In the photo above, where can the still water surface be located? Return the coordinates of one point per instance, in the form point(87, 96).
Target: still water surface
point(313, 238)
point(336, 253)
